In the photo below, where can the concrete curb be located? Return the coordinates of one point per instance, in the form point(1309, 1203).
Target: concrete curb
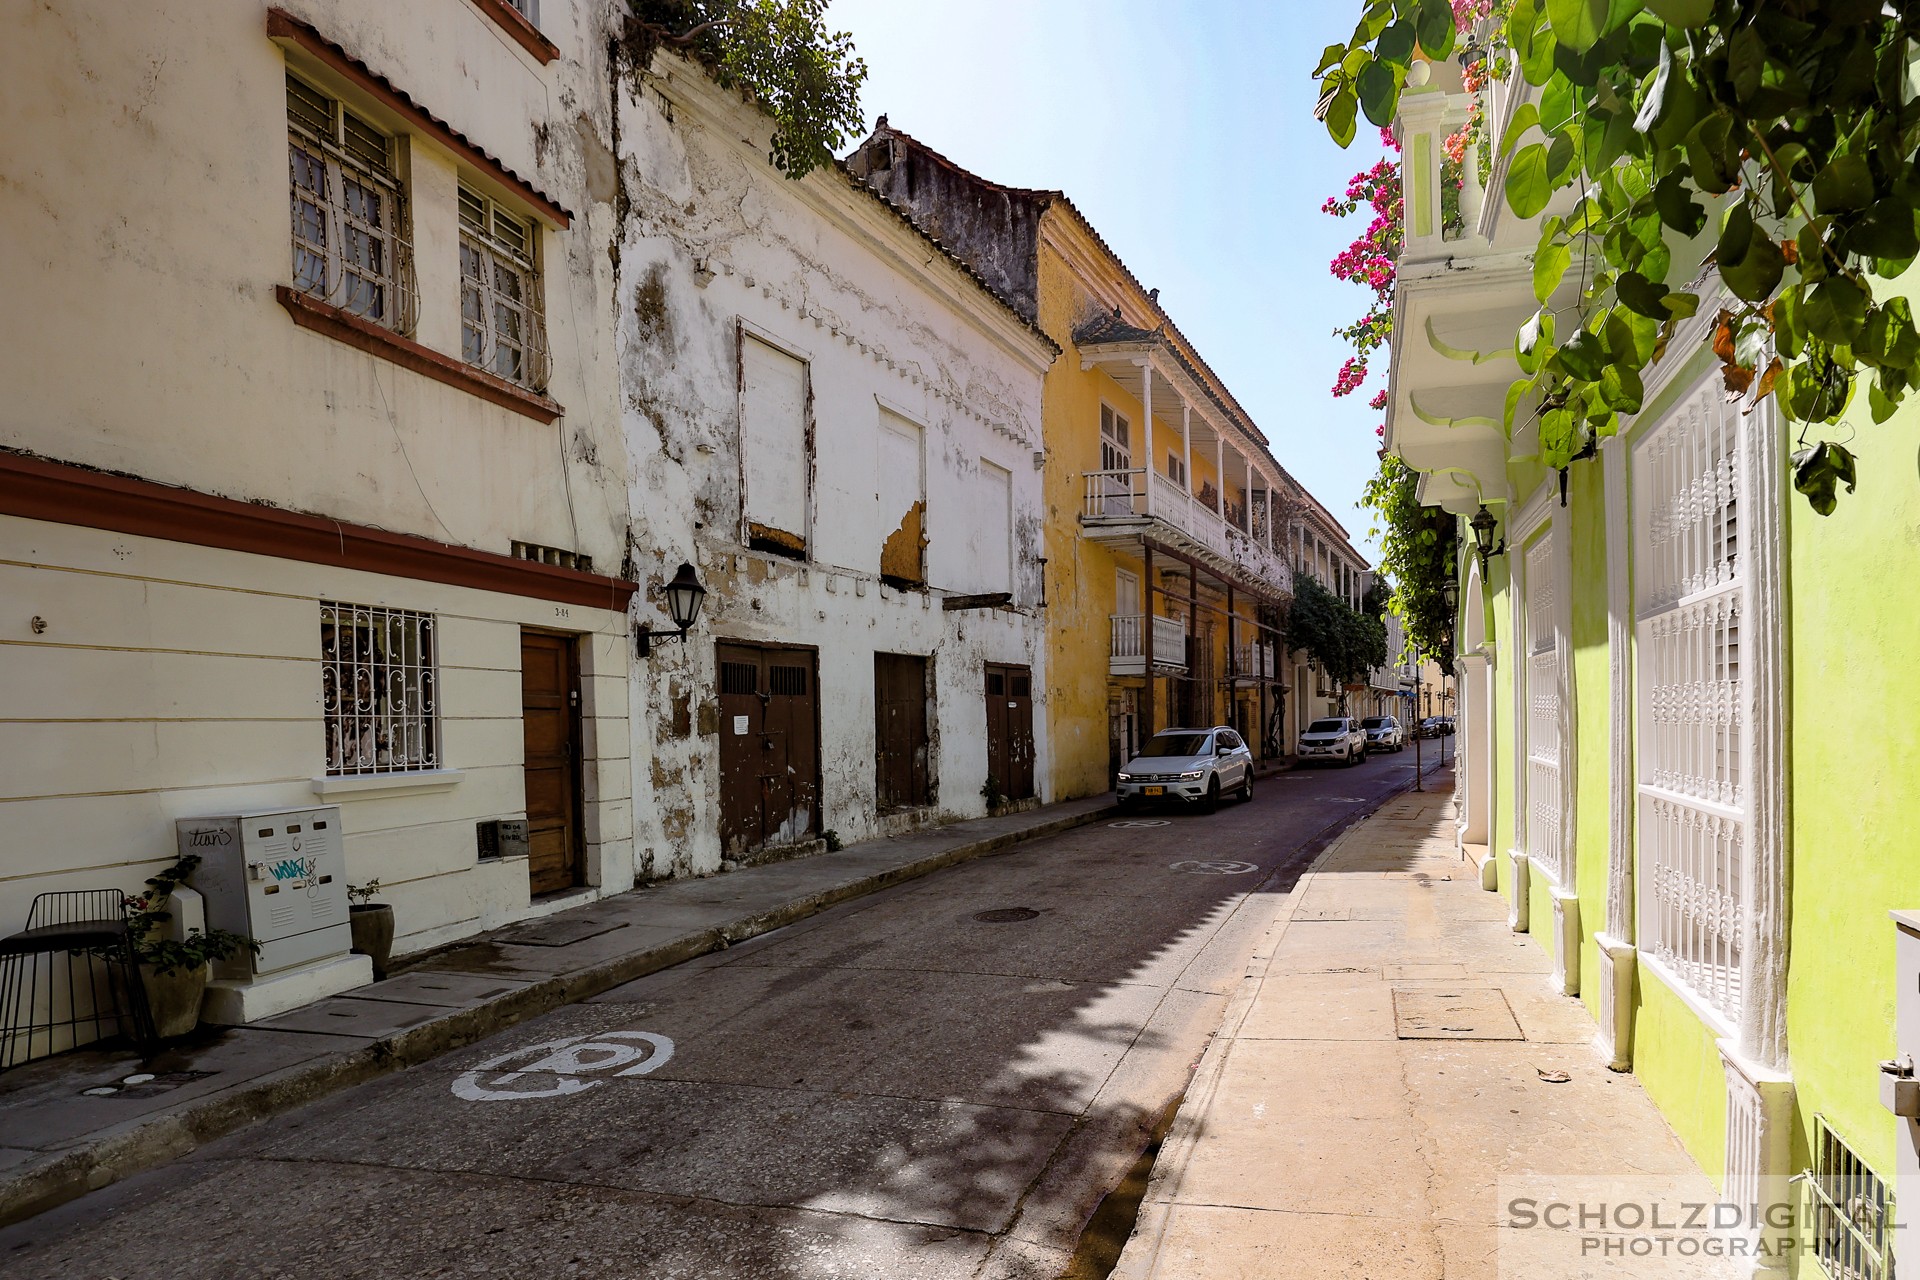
point(159, 1139)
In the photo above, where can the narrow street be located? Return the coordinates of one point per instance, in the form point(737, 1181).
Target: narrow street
point(941, 1080)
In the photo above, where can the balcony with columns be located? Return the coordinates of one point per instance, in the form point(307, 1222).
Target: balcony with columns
point(1226, 524)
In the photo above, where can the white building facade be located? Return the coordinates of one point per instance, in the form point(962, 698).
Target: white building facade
point(838, 425)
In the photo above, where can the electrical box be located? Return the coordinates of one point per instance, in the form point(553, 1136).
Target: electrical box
point(502, 838)
point(279, 877)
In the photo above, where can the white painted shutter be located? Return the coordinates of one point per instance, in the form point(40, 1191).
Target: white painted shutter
point(990, 535)
point(773, 436)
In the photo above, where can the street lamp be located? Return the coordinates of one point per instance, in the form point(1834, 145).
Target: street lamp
point(1483, 525)
point(684, 596)
point(1450, 594)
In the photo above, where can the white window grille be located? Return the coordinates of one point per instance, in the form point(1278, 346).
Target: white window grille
point(1690, 596)
point(1545, 839)
point(502, 329)
point(379, 689)
point(349, 225)
point(1851, 1211)
point(529, 9)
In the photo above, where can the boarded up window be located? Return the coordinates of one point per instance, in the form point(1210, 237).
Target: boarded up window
point(774, 463)
point(990, 529)
point(903, 502)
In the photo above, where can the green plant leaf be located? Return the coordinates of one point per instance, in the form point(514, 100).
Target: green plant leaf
point(1525, 117)
point(1550, 263)
point(1682, 13)
point(1835, 310)
point(1746, 61)
point(1329, 57)
point(1527, 188)
point(1819, 470)
point(1677, 207)
point(1434, 26)
point(1845, 184)
point(1620, 388)
point(1577, 24)
point(1379, 91)
point(1583, 355)
point(1642, 294)
point(1395, 44)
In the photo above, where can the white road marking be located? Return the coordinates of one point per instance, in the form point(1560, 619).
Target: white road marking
point(553, 1067)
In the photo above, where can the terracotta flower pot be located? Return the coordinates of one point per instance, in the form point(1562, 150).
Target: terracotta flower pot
point(174, 998)
point(373, 933)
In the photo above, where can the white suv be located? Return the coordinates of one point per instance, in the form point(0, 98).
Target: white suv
point(1338, 738)
point(1195, 766)
point(1384, 734)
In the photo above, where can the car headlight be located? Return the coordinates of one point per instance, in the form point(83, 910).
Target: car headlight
point(1126, 777)
point(1193, 775)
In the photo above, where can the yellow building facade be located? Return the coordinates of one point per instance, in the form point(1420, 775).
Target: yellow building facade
point(1172, 534)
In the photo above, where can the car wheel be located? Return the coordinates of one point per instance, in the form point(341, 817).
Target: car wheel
point(1212, 803)
point(1246, 786)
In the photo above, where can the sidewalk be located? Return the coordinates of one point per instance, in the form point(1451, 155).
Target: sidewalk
point(1392, 1075)
point(59, 1141)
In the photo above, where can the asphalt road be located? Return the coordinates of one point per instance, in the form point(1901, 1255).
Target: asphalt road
point(941, 1080)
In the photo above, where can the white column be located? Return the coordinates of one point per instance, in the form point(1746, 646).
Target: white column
point(1146, 405)
point(1618, 958)
point(1220, 474)
point(1186, 454)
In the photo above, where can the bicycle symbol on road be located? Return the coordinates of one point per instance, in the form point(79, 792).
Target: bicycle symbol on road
point(554, 1068)
point(1214, 867)
point(1141, 822)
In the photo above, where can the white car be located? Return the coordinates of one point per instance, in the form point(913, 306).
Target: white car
point(1384, 734)
point(1336, 738)
point(1192, 766)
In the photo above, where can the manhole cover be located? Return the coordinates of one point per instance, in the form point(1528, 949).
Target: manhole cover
point(1005, 915)
point(1453, 1013)
point(1131, 823)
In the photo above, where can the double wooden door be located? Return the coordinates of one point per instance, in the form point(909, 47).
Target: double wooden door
point(550, 718)
point(1010, 729)
point(769, 747)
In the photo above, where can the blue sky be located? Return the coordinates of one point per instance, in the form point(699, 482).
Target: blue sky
point(1184, 130)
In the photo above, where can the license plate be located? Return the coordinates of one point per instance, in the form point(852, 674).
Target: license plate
point(1153, 791)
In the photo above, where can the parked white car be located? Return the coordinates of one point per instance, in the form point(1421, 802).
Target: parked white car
point(1337, 738)
point(1192, 766)
point(1384, 734)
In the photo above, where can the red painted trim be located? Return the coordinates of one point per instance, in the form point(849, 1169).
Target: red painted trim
point(515, 24)
point(322, 317)
point(61, 493)
point(283, 27)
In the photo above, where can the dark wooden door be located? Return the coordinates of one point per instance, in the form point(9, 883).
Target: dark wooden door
point(769, 752)
point(1010, 729)
point(550, 716)
point(900, 761)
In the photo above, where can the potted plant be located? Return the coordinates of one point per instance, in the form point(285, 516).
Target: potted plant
point(372, 925)
point(174, 970)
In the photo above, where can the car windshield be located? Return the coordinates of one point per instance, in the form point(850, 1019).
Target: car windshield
point(1375, 722)
point(1327, 726)
point(1176, 744)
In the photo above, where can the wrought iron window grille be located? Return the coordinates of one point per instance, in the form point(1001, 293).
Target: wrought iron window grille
point(1850, 1211)
point(349, 212)
point(502, 327)
point(379, 690)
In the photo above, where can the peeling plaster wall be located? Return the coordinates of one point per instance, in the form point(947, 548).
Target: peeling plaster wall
point(715, 241)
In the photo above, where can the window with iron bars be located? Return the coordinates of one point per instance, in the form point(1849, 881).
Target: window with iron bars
point(501, 327)
point(1851, 1211)
point(349, 211)
point(379, 690)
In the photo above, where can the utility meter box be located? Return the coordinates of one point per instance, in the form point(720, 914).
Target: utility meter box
point(279, 877)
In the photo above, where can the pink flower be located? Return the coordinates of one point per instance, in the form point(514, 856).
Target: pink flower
point(1379, 400)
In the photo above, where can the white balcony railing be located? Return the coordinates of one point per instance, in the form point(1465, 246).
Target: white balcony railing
point(1115, 495)
point(1128, 653)
point(1134, 492)
point(1254, 660)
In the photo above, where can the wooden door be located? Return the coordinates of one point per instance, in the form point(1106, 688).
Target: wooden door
point(550, 717)
point(1010, 729)
point(900, 748)
point(769, 753)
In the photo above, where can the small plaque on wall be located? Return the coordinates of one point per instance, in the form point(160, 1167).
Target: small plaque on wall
point(503, 838)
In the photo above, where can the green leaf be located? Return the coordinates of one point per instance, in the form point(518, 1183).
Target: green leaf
point(1682, 13)
point(1583, 355)
point(1396, 44)
point(1887, 231)
point(1524, 118)
point(1379, 90)
point(1835, 310)
point(1746, 61)
point(1550, 263)
point(1736, 233)
point(1677, 207)
point(1819, 470)
point(1681, 305)
point(1578, 24)
point(1329, 57)
point(1526, 186)
point(1880, 405)
point(1789, 327)
point(1621, 389)
point(1563, 158)
point(1845, 184)
point(1435, 27)
point(1642, 294)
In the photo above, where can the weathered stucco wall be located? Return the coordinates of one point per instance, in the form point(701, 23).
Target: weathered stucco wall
point(714, 238)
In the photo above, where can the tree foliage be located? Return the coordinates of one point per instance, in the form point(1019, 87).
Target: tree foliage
point(1773, 145)
point(1343, 641)
point(780, 53)
point(1418, 546)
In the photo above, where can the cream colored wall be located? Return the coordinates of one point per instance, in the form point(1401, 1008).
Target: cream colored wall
point(146, 215)
point(173, 681)
point(147, 225)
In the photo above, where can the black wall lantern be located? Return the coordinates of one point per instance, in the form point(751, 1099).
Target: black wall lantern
point(684, 596)
point(1482, 525)
point(1450, 595)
